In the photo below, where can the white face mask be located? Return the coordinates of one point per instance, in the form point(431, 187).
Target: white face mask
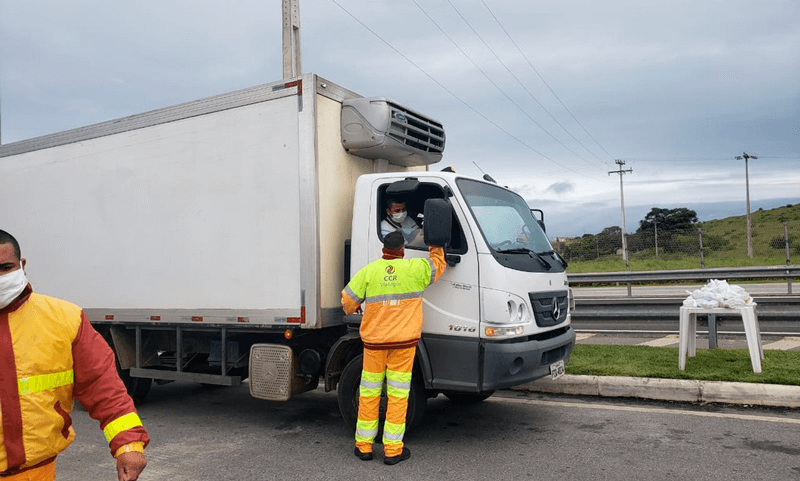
point(399, 216)
point(11, 286)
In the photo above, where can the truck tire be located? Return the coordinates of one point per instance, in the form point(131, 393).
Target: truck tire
point(138, 387)
point(348, 398)
point(465, 398)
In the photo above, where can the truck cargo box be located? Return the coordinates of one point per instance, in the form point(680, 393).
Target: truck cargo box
point(231, 209)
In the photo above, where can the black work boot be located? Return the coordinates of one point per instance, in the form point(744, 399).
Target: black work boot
point(392, 460)
point(362, 456)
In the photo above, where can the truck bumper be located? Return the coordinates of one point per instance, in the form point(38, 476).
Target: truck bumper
point(508, 364)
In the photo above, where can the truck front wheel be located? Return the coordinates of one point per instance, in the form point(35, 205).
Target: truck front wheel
point(348, 397)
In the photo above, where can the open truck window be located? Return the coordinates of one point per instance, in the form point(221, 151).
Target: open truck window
point(415, 204)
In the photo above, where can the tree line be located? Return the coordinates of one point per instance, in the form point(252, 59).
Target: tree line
point(671, 230)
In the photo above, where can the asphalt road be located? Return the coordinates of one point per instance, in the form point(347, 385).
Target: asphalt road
point(224, 434)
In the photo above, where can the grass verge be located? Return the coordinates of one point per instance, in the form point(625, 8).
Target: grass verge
point(732, 365)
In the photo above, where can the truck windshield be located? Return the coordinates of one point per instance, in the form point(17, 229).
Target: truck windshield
point(504, 219)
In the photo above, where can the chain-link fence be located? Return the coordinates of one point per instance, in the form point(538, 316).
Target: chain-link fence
point(724, 244)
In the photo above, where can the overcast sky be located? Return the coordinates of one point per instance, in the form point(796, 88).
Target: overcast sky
point(541, 95)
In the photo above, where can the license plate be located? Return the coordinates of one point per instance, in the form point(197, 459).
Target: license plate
point(557, 369)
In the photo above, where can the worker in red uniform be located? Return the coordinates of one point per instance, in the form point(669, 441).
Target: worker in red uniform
point(391, 289)
point(50, 355)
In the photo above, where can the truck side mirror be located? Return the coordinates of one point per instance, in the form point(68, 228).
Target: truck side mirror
point(438, 222)
point(540, 218)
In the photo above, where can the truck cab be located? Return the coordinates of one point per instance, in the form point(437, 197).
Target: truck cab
point(499, 316)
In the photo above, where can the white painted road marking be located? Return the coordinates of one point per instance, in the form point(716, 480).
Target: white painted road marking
point(650, 410)
point(662, 342)
point(784, 344)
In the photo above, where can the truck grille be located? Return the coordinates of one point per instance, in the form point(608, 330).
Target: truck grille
point(414, 130)
point(549, 308)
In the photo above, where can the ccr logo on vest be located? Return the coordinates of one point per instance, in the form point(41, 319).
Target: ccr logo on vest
point(391, 275)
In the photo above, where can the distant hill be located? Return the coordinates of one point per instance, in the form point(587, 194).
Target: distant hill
point(578, 220)
point(767, 226)
point(724, 244)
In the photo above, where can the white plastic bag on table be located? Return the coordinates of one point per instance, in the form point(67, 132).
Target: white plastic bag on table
point(718, 293)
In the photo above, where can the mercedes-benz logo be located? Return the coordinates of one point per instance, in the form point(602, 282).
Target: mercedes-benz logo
point(556, 309)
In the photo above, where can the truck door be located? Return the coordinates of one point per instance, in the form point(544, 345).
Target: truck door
point(450, 336)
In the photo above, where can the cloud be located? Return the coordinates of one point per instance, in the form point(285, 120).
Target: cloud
point(675, 89)
point(561, 187)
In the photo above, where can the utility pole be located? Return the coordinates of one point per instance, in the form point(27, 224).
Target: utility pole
point(747, 157)
point(655, 232)
point(291, 39)
point(620, 163)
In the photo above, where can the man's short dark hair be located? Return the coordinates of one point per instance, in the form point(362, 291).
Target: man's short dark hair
point(6, 238)
point(394, 240)
point(394, 200)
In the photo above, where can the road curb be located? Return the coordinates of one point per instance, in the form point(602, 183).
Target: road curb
point(669, 390)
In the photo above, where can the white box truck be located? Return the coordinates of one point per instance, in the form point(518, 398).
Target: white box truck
point(210, 241)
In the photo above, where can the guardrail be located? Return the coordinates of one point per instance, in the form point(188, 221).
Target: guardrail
point(776, 315)
point(630, 277)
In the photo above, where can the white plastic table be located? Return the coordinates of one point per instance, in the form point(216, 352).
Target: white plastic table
point(687, 332)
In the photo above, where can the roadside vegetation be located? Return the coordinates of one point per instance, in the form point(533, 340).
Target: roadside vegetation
point(678, 234)
point(731, 365)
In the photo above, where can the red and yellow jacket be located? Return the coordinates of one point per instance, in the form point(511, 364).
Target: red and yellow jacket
point(391, 290)
point(50, 355)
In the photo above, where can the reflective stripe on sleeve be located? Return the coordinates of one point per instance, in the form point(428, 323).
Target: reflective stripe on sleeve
point(122, 423)
point(43, 382)
point(352, 295)
point(433, 271)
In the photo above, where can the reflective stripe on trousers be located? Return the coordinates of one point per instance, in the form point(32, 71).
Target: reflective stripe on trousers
point(396, 366)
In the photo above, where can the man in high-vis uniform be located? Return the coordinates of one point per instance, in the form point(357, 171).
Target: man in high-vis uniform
point(50, 355)
point(391, 289)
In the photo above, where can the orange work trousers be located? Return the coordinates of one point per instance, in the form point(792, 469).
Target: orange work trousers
point(42, 473)
point(395, 366)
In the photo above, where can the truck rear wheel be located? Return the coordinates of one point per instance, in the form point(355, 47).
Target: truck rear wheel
point(467, 397)
point(138, 387)
point(348, 398)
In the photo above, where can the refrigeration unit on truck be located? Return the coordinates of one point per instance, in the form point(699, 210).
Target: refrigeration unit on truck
point(210, 241)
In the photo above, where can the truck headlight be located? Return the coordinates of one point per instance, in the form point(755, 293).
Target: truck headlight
point(500, 307)
point(503, 331)
point(517, 311)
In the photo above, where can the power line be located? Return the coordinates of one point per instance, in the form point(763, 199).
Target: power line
point(696, 159)
point(490, 80)
point(543, 81)
point(523, 86)
point(453, 94)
